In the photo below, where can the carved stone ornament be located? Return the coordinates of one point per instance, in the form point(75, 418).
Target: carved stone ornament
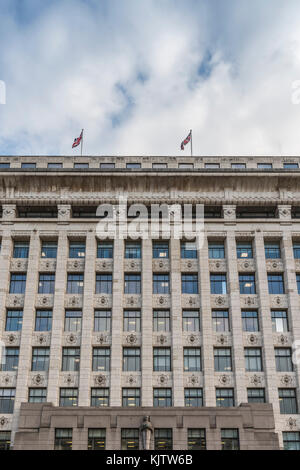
point(278, 300)
point(224, 379)
point(103, 300)
point(69, 379)
point(222, 339)
point(194, 379)
point(189, 264)
point(255, 380)
point(131, 301)
point(3, 421)
point(38, 379)
point(163, 379)
point(286, 380)
point(249, 301)
point(132, 264)
point(192, 301)
point(41, 338)
point(161, 264)
point(101, 339)
point(71, 338)
point(220, 301)
point(131, 379)
point(283, 339)
point(131, 339)
point(161, 300)
point(192, 338)
point(246, 265)
point(252, 339)
point(7, 379)
point(11, 338)
point(100, 380)
point(162, 339)
point(292, 423)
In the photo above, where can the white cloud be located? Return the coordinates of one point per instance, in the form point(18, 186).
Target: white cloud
point(127, 71)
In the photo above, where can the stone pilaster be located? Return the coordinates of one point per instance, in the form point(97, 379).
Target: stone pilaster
point(147, 314)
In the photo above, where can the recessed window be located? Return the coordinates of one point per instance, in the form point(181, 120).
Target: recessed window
point(46, 284)
point(276, 284)
point(218, 284)
point(102, 320)
point(105, 250)
point(161, 320)
point(212, 165)
point(55, 165)
point(291, 440)
point(63, 437)
point(230, 439)
point(101, 359)
point(4, 165)
point(17, 283)
point(133, 165)
point(264, 166)
point(70, 359)
point(81, 165)
point(225, 397)
point(189, 283)
point(133, 250)
point(132, 320)
point(68, 397)
point(216, 250)
point(290, 166)
point(161, 359)
point(238, 165)
point(73, 319)
point(130, 439)
point(5, 439)
point(132, 284)
point(288, 401)
point(250, 320)
point(10, 360)
point(21, 249)
point(256, 395)
point(253, 360)
point(162, 397)
point(40, 359)
point(75, 284)
point(37, 395)
point(247, 284)
point(131, 359)
point(49, 250)
point(96, 439)
point(188, 166)
point(283, 358)
point(280, 321)
point(107, 165)
point(272, 250)
point(131, 397)
point(222, 359)
point(43, 320)
point(192, 359)
point(161, 284)
point(100, 397)
point(77, 250)
point(28, 165)
point(193, 397)
point(244, 250)
point(161, 250)
point(196, 439)
point(14, 320)
point(190, 320)
point(188, 250)
point(163, 439)
point(159, 166)
point(220, 320)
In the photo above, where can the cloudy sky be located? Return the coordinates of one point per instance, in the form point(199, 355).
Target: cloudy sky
point(138, 74)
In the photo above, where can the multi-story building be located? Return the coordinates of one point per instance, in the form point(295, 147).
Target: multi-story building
point(97, 334)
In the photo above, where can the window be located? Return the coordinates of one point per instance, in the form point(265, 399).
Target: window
point(190, 320)
point(161, 320)
point(103, 283)
point(96, 439)
point(279, 321)
point(73, 320)
point(132, 284)
point(55, 165)
point(28, 165)
point(250, 320)
point(213, 212)
point(43, 320)
point(230, 439)
point(63, 439)
point(192, 359)
point(225, 397)
point(256, 395)
point(5, 437)
point(222, 359)
point(68, 397)
point(220, 320)
point(212, 165)
point(298, 282)
point(70, 359)
point(14, 319)
point(216, 250)
point(159, 165)
point(186, 165)
point(46, 284)
point(132, 320)
point(247, 284)
point(256, 212)
point(253, 360)
point(131, 359)
point(161, 359)
point(40, 359)
point(100, 397)
point(130, 439)
point(101, 359)
point(133, 250)
point(49, 250)
point(163, 439)
point(75, 284)
point(10, 360)
point(17, 283)
point(276, 283)
point(105, 250)
point(288, 401)
point(188, 250)
point(272, 250)
point(160, 250)
point(37, 212)
point(296, 249)
point(131, 397)
point(193, 397)
point(161, 284)
point(238, 165)
point(21, 249)
point(264, 166)
point(291, 440)
point(102, 320)
point(290, 166)
point(283, 358)
point(7, 400)
point(133, 165)
point(4, 165)
point(196, 439)
point(37, 395)
point(81, 165)
point(189, 283)
point(107, 165)
point(218, 284)
point(76, 250)
point(162, 397)
point(244, 250)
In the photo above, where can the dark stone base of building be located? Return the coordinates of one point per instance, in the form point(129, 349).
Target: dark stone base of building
point(46, 427)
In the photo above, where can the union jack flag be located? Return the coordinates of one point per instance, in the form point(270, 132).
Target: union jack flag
point(77, 140)
point(186, 140)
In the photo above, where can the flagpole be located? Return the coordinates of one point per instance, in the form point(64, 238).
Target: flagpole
point(191, 143)
point(82, 141)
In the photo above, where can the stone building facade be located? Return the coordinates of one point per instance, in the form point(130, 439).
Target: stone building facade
point(150, 322)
